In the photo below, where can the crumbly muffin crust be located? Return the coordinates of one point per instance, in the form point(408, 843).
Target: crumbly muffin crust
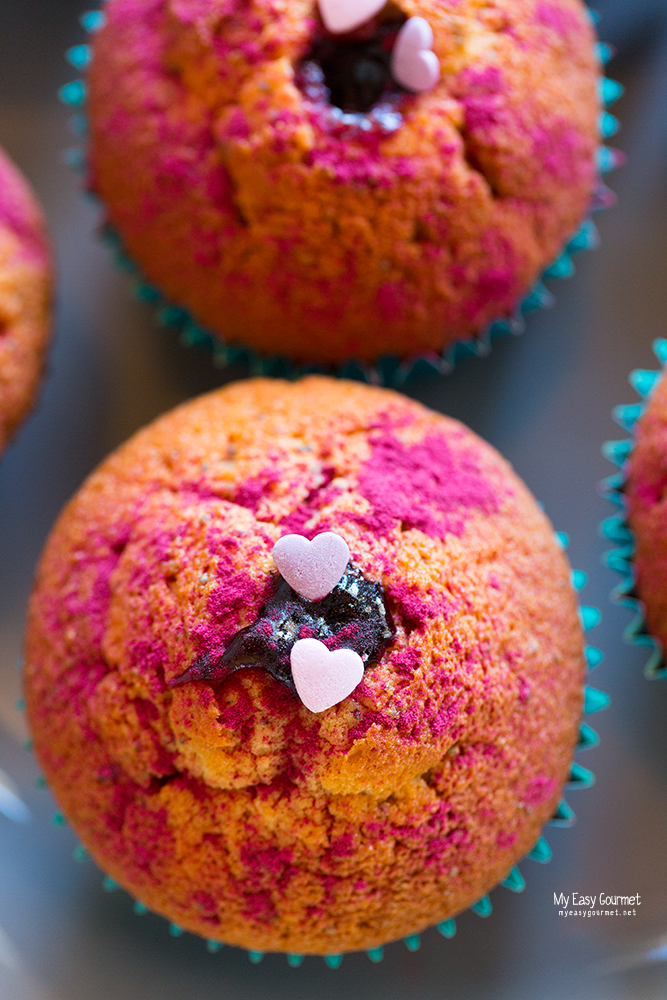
point(283, 227)
point(229, 807)
point(25, 298)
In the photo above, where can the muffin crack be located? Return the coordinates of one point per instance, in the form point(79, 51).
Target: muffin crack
point(476, 164)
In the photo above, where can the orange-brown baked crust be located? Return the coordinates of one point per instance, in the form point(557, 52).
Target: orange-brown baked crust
point(229, 807)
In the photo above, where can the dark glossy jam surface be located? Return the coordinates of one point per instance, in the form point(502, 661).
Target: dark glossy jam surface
point(347, 79)
point(353, 616)
point(355, 69)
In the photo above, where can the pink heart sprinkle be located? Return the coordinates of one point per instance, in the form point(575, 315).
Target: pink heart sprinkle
point(413, 63)
point(312, 568)
point(340, 16)
point(323, 677)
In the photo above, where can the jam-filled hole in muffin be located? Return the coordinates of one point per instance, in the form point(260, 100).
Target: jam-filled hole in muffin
point(354, 615)
point(352, 72)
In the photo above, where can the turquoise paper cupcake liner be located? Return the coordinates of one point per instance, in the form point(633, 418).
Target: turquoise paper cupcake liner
point(579, 778)
point(616, 529)
point(389, 371)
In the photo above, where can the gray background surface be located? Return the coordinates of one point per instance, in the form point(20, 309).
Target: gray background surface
point(543, 399)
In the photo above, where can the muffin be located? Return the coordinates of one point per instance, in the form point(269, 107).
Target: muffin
point(641, 530)
point(295, 199)
point(162, 684)
point(25, 298)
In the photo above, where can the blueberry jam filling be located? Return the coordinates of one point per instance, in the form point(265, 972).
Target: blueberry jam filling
point(350, 75)
point(353, 616)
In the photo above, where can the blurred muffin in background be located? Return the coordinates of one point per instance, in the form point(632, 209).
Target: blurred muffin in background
point(25, 297)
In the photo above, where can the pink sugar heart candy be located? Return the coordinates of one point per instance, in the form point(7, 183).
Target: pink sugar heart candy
point(322, 677)
point(311, 568)
point(340, 16)
point(413, 63)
